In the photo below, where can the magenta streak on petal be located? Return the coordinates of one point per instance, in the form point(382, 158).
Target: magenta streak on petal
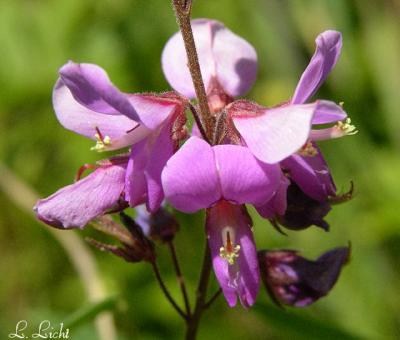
point(77, 204)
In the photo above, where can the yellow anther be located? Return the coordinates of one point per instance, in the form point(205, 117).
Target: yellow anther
point(346, 127)
point(308, 150)
point(230, 255)
point(101, 143)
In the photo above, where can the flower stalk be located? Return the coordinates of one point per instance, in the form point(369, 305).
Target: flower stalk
point(183, 12)
point(192, 323)
point(179, 277)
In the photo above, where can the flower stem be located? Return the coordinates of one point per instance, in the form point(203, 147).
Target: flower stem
point(166, 292)
point(182, 11)
point(213, 298)
point(193, 321)
point(180, 277)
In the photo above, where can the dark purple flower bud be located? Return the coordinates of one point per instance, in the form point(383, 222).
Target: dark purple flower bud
point(303, 211)
point(295, 281)
point(159, 226)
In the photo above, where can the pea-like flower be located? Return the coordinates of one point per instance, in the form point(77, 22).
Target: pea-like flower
point(86, 102)
point(222, 178)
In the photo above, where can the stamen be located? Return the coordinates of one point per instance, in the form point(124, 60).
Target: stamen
point(341, 129)
point(347, 127)
point(308, 150)
point(101, 141)
point(230, 251)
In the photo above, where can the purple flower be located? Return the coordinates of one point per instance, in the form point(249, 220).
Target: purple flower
point(295, 281)
point(288, 126)
point(223, 178)
point(86, 102)
point(225, 59)
point(77, 204)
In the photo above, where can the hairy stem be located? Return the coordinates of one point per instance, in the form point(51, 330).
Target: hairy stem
point(180, 277)
point(182, 10)
point(166, 292)
point(193, 321)
point(199, 122)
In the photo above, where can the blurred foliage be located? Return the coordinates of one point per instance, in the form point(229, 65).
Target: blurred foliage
point(126, 38)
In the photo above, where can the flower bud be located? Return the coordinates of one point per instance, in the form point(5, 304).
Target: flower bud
point(159, 226)
point(303, 211)
point(296, 281)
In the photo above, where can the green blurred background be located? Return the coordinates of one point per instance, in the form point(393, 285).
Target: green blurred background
point(126, 38)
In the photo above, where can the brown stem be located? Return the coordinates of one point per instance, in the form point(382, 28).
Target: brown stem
point(213, 298)
point(180, 277)
point(199, 122)
point(182, 11)
point(166, 292)
point(193, 321)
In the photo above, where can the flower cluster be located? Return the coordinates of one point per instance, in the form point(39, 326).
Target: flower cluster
point(259, 156)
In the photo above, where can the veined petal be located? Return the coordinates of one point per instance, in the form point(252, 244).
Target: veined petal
point(190, 178)
point(75, 117)
point(311, 174)
point(229, 230)
point(272, 134)
point(328, 47)
point(75, 205)
point(243, 178)
point(90, 86)
point(222, 54)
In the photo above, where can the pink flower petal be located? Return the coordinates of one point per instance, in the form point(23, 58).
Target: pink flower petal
point(328, 112)
point(328, 47)
point(273, 134)
point(311, 174)
point(135, 181)
point(78, 118)
point(162, 148)
point(77, 204)
point(243, 178)
point(91, 87)
point(190, 178)
point(278, 203)
point(222, 55)
point(240, 279)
